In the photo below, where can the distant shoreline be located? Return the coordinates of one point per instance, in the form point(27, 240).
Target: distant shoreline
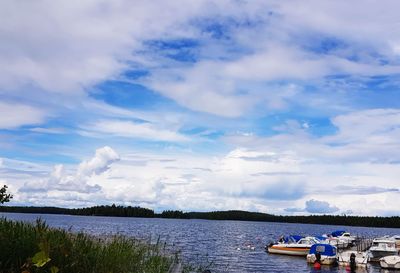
point(122, 211)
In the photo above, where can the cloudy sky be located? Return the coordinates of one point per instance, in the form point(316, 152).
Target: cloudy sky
point(285, 107)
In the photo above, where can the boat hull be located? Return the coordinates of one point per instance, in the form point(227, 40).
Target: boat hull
point(377, 254)
point(361, 259)
point(325, 260)
point(390, 262)
point(285, 250)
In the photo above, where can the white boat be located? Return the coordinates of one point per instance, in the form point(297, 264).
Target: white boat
point(344, 236)
point(299, 248)
point(334, 241)
point(361, 258)
point(348, 238)
point(397, 239)
point(390, 262)
point(382, 247)
point(327, 254)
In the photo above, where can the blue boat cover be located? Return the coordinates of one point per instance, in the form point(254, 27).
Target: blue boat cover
point(296, 238)
point(338, 233)
point(321, 238)
point(323, 249)
point(292, 238)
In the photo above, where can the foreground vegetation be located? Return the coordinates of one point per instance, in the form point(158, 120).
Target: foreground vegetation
point(343, 220)
point(36, 248)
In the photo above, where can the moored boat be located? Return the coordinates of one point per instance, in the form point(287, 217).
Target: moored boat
point(344, 236)
point(382, 247)
point(360, 258)
point(397, 240)
point(334, 241)
point(390, 262)
point(325, 254)
point(295, 248)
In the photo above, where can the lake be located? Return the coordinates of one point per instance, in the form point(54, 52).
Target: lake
point(223, 244)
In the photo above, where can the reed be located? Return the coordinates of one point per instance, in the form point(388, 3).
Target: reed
point(36, 248)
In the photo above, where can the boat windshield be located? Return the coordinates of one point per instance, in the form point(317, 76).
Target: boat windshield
point(384, 244)
point(308, 241)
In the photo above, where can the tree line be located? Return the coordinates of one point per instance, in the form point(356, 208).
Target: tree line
point(113, 210)
point(128, 211)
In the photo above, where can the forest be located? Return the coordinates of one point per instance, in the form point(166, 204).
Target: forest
point(129, 211)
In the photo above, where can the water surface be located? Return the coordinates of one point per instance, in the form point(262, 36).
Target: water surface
point(221, 243)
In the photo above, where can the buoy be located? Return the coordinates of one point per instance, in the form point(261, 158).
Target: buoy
point(317, 265)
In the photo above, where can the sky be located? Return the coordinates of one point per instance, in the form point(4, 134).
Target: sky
point(283, 107)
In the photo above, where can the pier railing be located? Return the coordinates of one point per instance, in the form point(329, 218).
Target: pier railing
point(363, 244)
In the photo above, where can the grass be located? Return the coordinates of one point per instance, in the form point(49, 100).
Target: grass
point(36, 248)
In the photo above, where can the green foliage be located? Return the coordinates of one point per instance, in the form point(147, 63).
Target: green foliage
point(113, 210)
point(36, 248)
point(177, 214)
point(4, 196)
point(40, 259)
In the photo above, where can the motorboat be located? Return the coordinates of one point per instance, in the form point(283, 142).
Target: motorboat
point(337, 233)
point(327, 254)
point(397, 239)
point(345, 236)
point(348, 238)
point(361, 258)
point(290, 246)
point(334, 241)
point(382, 247)
point(390, 262)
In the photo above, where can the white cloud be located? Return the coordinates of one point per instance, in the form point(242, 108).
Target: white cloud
point(263, 177)
point(316, 206)
point(134, 130)
point(14, 115)
point(381, 126)
point(48, 130)
point(102, 160)
point(69, 48)
point(59, 51)
point(60, 180)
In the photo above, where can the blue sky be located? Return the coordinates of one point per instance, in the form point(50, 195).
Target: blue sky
point(279, 107)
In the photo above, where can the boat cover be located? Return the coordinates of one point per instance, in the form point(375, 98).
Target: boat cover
point(338, 233)
point(296, 238)
point(292, 238)
point(323, 249)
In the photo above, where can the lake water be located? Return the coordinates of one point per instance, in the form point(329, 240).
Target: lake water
point(215, 242)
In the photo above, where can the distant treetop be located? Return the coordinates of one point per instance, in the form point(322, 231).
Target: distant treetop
point(4, 196)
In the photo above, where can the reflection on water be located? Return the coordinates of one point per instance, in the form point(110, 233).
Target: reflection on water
point(230, 246)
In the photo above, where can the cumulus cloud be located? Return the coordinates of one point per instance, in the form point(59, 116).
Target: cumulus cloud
point(60, 180)
point(316, 206)
point(100, 163)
